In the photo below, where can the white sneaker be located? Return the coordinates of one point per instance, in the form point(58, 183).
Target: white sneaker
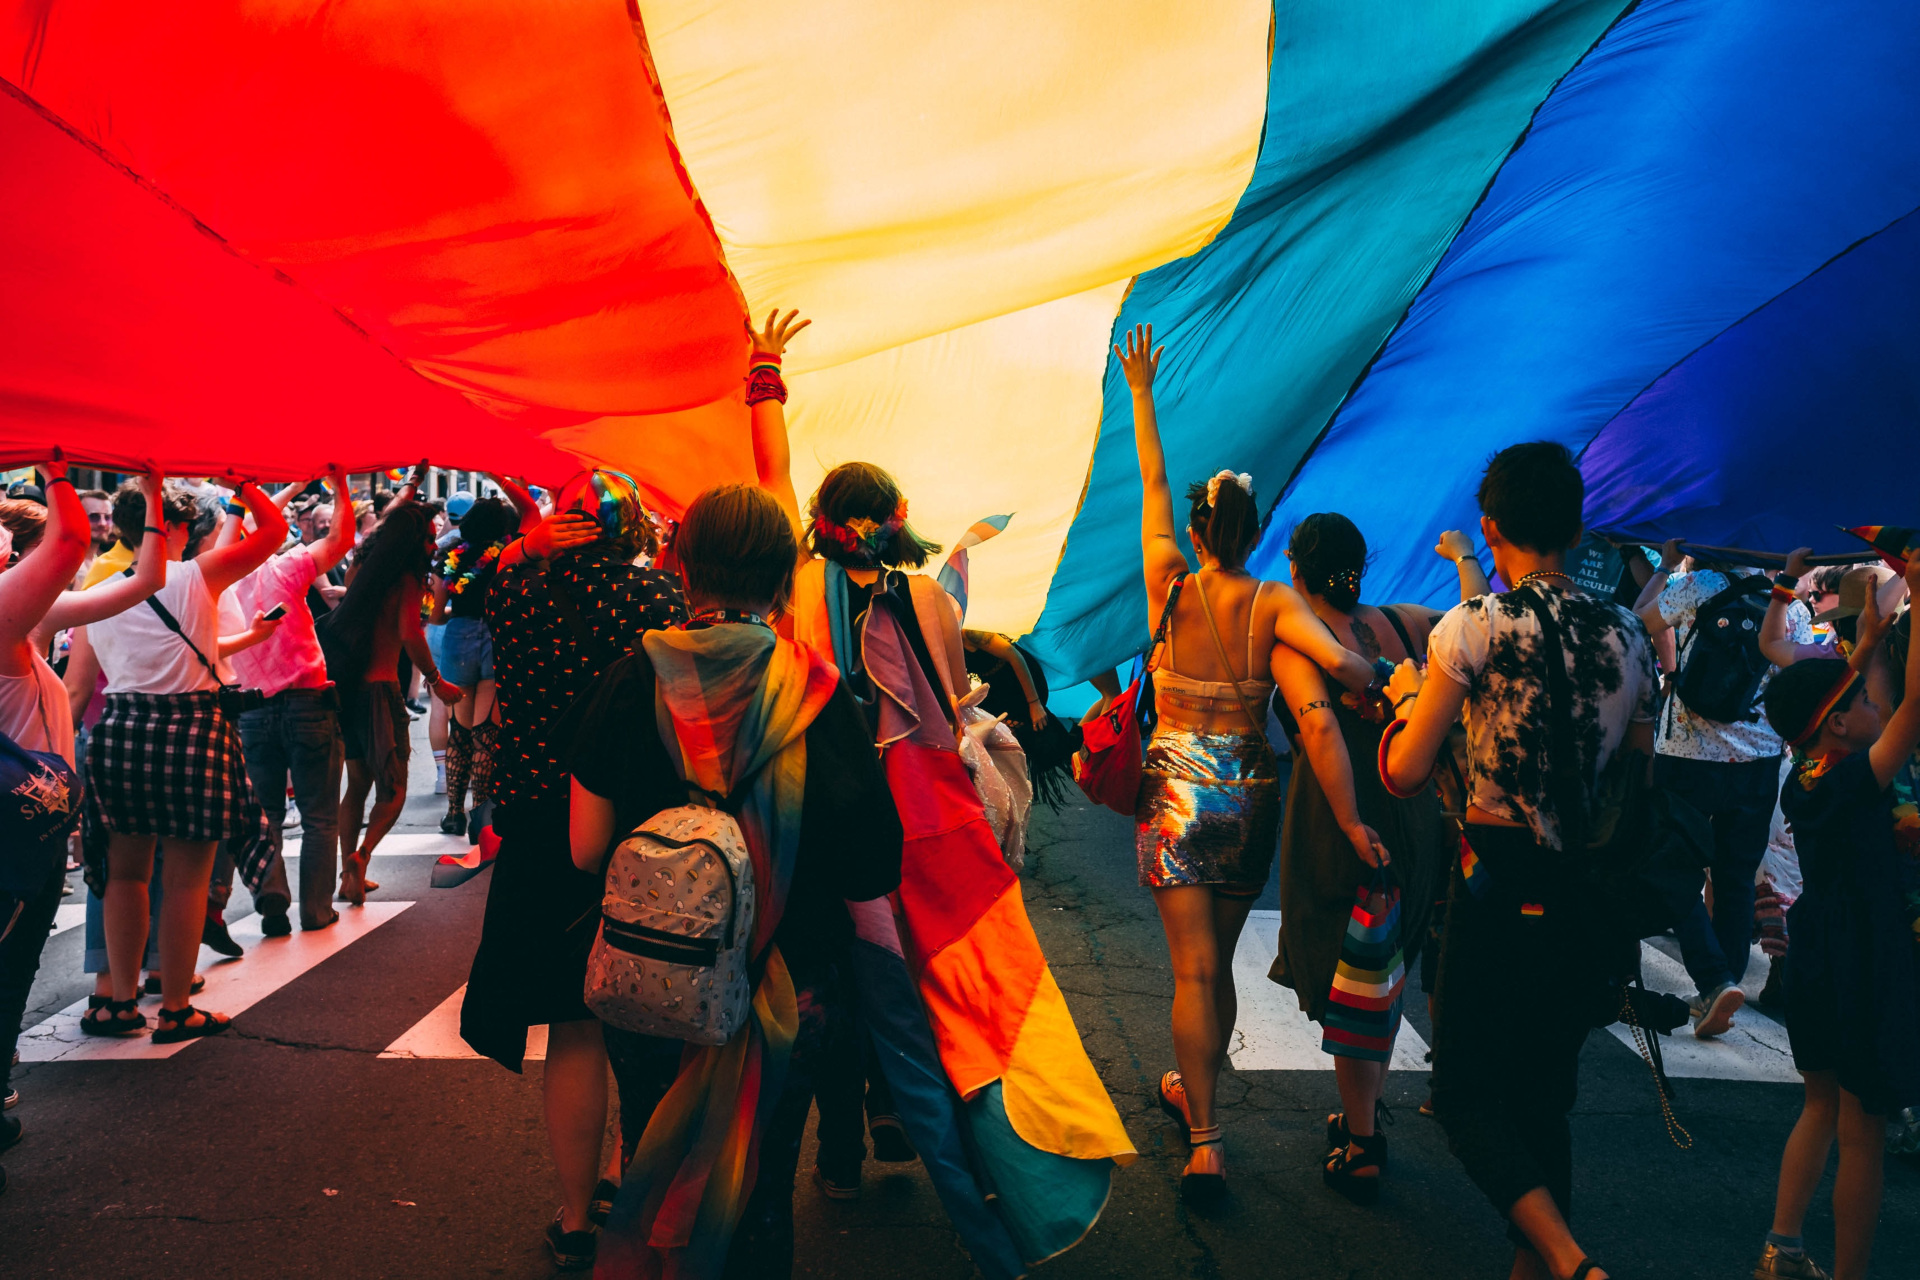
point(1714, 1010)
point(440, 777)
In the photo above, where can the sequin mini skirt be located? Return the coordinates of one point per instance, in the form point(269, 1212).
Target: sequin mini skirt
point(1209, 811)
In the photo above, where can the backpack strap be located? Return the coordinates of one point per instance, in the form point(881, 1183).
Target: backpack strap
point(1163, 633)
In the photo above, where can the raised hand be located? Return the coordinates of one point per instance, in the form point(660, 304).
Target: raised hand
point(772, 340)
point(1453, 545)
point(1672, 552)
point(55, 468)
point(1872, 626)
point(1797, 565)
point(1139, 361)
point(561, 531)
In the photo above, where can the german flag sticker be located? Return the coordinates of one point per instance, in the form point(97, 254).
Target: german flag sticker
point(1532, 909)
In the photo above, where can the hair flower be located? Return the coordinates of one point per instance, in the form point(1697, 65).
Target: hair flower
point(1240, 478)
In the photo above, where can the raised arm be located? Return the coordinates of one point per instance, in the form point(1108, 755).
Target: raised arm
point(521, 497)
point(224, 566)
point(1647, 604)
point(772, 454)
point(1159, 544)
point(1004, 649)
point(411, 487)
point(1430, 704)
point(333, 548)
point(1775, 646)
point(1902, 734)
point(29, 589)
point(1305, 690)
point(1457, 547)
point(119, 593)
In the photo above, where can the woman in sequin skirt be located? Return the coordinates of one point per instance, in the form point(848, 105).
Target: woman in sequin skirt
point(1209, 807)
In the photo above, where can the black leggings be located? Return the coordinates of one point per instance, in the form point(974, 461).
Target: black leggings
point(1506, 1052)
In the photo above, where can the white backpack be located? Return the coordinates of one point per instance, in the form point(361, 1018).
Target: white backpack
point(676, 926)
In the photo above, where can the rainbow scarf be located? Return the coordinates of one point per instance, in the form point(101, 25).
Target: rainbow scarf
point(733, 703)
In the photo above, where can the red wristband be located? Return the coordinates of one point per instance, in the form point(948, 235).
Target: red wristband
point(1386, 778)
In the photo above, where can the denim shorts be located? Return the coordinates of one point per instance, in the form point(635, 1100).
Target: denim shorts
point(466, 652)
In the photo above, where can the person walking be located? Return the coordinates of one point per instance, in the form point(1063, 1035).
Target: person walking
point(1350, 982)
point(1520, 935)
point(1209, 807)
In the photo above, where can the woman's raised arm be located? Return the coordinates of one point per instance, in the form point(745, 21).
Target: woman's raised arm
point(1159, 542)
point(120, 593)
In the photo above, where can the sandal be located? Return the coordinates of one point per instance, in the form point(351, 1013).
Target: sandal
point(1164, 1094)
point(116, 1023)
point(152, 986)
point(173, 1026)
point(1204, 1180)
point(1341, 1172)
point(600, 1204)
point(1338, 1136)
point(353, 883)
point(1586, 1268)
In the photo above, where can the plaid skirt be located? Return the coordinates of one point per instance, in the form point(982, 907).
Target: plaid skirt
point(170, 765)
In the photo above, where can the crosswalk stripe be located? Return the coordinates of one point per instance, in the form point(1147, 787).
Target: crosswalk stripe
point(68, 915)
point(438, 1035)
point(1271, 1033)
point(232, 986)
point(1755, 1048)
point(415, 844)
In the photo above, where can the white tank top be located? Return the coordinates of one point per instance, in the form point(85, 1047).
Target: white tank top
point(138, 654)
point(34, 711)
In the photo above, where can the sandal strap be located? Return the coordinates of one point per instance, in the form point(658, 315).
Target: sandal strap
point(1586, 1268)
point(178, 1016)
point(1204, 1137)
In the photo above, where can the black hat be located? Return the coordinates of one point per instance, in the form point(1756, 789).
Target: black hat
point(1799, 698)
point(29, 490)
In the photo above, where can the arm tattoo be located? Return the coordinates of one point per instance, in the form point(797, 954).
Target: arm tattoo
point(1313, 706)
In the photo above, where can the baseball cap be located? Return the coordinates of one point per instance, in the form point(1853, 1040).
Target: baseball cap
point(459, 504)
point(28, 490)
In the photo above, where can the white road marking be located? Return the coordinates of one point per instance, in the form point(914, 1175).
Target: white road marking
point(1272, 1033)
point(232, 986)
point(68, 915)
point(1755, 1048)
point(413, 844)
point(438, 1035)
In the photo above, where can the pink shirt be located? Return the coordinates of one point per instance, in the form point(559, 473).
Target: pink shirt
point(290, 658)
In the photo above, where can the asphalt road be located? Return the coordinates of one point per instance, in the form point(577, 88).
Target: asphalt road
point(323, 1137)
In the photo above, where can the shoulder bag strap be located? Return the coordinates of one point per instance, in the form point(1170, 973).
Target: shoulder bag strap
point(1563, 762)
point(1259, 722)
point(173, 625)
point(1400, 629)
point(1161, 631)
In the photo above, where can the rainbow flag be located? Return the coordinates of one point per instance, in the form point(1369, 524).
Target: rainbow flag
point(1894, 542)
point(953, 574)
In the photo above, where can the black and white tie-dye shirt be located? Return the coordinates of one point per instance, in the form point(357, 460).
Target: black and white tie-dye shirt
point(1492, 645)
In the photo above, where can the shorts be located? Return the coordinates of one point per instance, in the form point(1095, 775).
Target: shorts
point(466, 652)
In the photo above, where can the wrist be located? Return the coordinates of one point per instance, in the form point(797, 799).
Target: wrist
point(154, 530)
point(59, 480)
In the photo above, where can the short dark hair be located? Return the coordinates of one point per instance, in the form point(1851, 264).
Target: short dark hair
point(861, 492)
point(1535, 494)
point(736, 546)
point(130, 509)
point(98, 495)
point(1229, 526)
point(488, 521)
point(1795, 693)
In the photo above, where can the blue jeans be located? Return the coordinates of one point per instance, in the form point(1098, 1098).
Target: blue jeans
point(1738, 799)
point(20, 959)
point(295, 739)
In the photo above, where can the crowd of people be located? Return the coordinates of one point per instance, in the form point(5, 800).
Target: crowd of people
point(1503, 792)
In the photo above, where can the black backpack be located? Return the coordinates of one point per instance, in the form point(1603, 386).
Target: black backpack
point(1721, 665)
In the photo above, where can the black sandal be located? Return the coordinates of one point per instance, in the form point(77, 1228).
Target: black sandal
point(600, 1204)
point(173, 1028)
point(1338, 1135)
point(116, 1023)
point(152, 986)
point(1341, 1173)
point(1586, 1268)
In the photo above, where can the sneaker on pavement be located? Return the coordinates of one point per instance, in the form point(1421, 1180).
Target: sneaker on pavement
point(1714, 1010)
point(890, 1144)
point(214, 934)
point(571, 1250)
point(838, 1186)
point(1774, 1264)
point(275, 924)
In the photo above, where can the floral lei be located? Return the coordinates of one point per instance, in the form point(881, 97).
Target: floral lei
point(458, 580)
point(861, 538)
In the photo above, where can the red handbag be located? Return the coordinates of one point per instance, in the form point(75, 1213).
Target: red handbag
point(1107, 766)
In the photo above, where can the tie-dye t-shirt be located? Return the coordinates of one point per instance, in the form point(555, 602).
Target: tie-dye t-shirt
point(1492, 645)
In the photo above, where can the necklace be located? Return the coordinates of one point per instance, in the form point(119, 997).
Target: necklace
point(1542, 573)
point(713, 617)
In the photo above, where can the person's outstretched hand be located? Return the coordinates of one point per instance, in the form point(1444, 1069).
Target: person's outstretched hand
point(55, 468)
point(153, 489)
point(1797, 565)
point(561, 531)
point(1672, 553)
point(773, 339)
point(1139, 361)
point(1453, 545)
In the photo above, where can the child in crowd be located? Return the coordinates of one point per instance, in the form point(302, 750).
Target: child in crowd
point(1853, 958)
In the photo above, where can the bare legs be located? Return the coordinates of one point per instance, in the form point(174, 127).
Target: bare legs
point(1805, 1158)
point(575, 1091)
point(1202, 931)
point(387, 804)
point(1554, 1254)
point(183, 913)
point(1361, 1083)
point(1857, 1187)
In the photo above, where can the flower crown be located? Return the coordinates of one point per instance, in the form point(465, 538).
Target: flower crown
point(1241, 478)
point(863, 539)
